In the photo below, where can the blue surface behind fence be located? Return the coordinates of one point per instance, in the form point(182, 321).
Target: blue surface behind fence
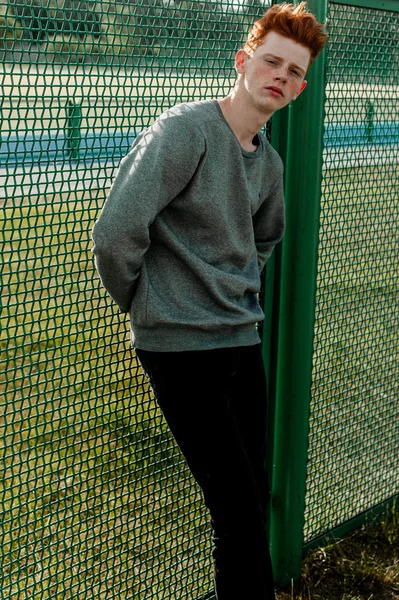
point(99, 145)
point(94, 145)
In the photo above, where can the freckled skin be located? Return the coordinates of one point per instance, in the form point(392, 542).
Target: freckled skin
point(279, 62)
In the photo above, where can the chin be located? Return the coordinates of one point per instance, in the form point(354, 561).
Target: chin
point(267, 106)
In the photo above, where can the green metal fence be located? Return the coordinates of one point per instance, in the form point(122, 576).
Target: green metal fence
point(336, 443)
point(95, 498)
point(354, 426)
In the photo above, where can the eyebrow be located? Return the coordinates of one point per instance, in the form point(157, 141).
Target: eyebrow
point(292, 64)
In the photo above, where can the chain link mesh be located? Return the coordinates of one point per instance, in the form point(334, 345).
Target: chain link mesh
point(96, 499)
point(354, 426)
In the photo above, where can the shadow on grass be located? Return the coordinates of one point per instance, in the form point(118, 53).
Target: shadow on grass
point(364, 565)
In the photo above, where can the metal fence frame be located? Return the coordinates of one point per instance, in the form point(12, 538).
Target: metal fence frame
point(289, 302)
point(297, 133)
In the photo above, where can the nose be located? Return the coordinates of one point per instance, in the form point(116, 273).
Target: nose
point(281, 74)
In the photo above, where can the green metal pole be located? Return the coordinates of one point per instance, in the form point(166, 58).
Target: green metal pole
point(73, 125)
point(370, 121)
point(278, 141)
point(272, 302)
point(296, 319)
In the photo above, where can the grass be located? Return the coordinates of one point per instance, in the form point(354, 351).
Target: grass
point(96, 501)
point(364, 565)
point(353, 441)
point(354, 432)
point(94, 490)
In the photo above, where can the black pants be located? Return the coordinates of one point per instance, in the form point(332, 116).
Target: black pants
point(215, 404)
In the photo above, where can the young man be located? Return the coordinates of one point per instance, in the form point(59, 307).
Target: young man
point(191, 219)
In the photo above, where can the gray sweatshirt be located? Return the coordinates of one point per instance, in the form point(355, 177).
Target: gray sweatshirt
point(188, 225)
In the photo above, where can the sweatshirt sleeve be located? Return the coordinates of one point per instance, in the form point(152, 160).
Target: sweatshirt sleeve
point(160, 164)
point(269, 223)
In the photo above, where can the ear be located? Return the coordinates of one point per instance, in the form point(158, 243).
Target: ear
point(241, 58)
point(304, 84)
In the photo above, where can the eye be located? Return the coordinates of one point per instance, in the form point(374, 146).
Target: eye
point(296, 73)
point(271, 62)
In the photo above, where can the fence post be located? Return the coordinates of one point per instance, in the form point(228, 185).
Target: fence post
point(73, 124)
point(272, 302)
point(297, 289)
point(370, 121)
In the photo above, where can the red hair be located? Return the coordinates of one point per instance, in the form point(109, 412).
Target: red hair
point(292, 21)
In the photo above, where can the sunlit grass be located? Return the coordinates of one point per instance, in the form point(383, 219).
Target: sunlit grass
point(353, 442)
point(95, 493)
point(94, 489)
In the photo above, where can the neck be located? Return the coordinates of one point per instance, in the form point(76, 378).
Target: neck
point(244, 120)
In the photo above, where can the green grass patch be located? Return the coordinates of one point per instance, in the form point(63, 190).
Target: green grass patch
point(94, 490)
point(96, 500)
point(354, 432)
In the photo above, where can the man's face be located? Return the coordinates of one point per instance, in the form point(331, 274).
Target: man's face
point(274, 74)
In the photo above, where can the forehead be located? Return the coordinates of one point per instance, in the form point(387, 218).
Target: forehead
point(285, 48)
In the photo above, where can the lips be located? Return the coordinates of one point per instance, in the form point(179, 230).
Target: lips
point(276, 90)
